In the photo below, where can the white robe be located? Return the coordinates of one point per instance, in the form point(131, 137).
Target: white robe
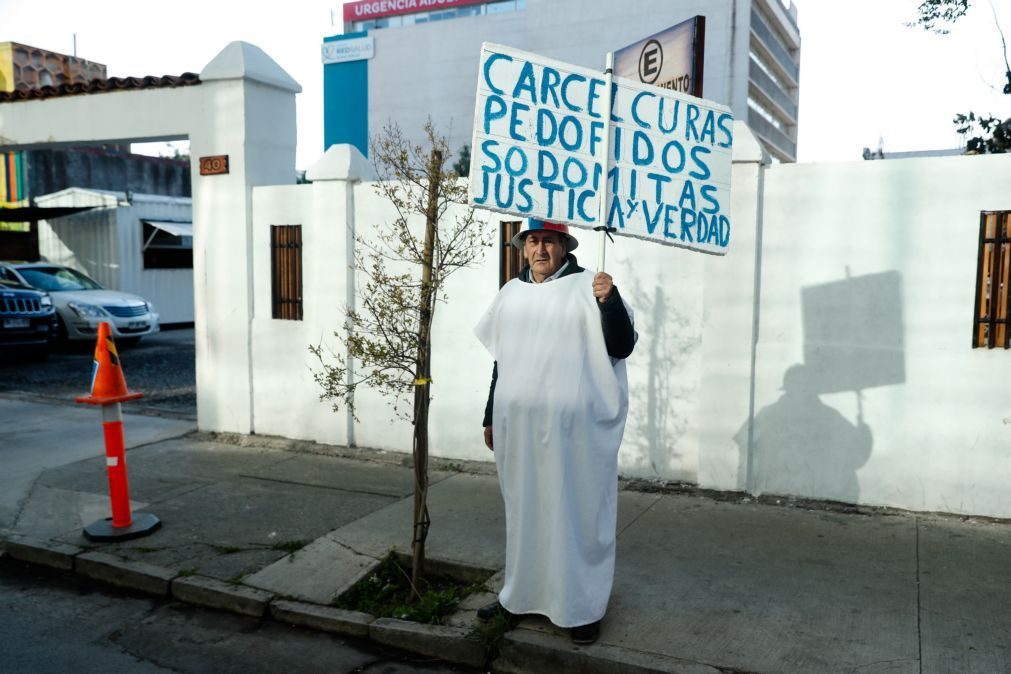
point(559, 414)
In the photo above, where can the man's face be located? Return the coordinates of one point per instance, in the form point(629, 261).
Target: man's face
point(544, 252)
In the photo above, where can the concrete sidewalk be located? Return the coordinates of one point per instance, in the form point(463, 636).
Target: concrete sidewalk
point(701, 584)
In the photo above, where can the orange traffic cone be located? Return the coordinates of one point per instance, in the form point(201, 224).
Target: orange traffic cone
point(108, 389)
point(108, 385)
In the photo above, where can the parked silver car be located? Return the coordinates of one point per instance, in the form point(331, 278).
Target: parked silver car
point(82, 303)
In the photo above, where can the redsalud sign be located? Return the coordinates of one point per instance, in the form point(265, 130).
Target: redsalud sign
point(377, 9)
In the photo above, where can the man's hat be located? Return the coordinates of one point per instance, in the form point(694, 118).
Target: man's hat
point(535, 225)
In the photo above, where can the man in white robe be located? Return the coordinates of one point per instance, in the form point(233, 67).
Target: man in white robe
point(555, 416)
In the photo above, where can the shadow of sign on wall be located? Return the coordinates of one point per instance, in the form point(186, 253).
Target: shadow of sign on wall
point(853, 340)
point(853, 333)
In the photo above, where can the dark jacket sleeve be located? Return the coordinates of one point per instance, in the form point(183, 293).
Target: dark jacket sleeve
point(491, 396)
point(619, 335)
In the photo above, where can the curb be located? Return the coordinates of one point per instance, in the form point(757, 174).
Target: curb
point(124, 573)
point(438, 641)
point(323, 618)
point(214, 593)
point(522, 651)
point(46, 553)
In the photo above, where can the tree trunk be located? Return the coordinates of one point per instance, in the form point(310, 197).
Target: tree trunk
point(424, 374)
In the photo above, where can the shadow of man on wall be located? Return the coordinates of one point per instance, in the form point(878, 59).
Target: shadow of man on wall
point(801, 446)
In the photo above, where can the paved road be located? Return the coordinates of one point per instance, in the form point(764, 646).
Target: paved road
point(162, 367)
point(51, 622)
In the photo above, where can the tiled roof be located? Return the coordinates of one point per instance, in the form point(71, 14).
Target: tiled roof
point(99, 86)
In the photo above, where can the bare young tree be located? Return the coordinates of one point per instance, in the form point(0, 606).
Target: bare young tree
point(388, 336)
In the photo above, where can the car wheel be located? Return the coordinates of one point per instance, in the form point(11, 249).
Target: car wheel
point(66, 345)
point(62, 336)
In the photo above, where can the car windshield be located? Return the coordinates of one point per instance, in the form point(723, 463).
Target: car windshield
point(57, 278)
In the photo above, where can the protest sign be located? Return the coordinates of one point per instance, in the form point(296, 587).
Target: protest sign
point(539, 130)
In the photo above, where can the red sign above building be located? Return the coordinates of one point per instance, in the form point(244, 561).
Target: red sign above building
point(376, 9)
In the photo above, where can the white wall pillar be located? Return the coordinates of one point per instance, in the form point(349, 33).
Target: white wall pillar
point(730, 326)
point(248, 114)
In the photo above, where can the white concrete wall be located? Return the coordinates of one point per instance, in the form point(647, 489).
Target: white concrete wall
point(664, 287)
point(730, 314)
point(461, 368)
point(717, 335)
point(248, 113)
point(285, 398)
point(909, 229)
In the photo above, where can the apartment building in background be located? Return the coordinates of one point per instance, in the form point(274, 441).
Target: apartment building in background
point(415, 59)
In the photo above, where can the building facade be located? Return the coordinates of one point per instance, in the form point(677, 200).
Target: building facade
point(424, 54)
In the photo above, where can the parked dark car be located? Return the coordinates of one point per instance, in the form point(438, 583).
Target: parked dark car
point(28, 323)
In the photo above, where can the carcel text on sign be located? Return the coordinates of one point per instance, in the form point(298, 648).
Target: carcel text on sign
point(539, 144)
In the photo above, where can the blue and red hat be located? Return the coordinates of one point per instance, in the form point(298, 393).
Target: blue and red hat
point(535, 225)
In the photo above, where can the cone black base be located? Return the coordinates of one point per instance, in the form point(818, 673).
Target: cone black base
point(102, 531)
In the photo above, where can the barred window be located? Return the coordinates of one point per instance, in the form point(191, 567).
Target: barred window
point(990, 322)
point(510, 259)
point(286, 272)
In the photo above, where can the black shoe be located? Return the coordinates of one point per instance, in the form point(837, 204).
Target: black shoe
point(585, 634)
point(491, 611)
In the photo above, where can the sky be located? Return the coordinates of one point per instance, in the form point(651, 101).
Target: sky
point(866, 79)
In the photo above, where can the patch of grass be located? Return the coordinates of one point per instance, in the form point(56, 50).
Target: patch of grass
point(386, 593)
point(145, 550)
point(289, 546)
point(184, 573)
point(236, 579)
